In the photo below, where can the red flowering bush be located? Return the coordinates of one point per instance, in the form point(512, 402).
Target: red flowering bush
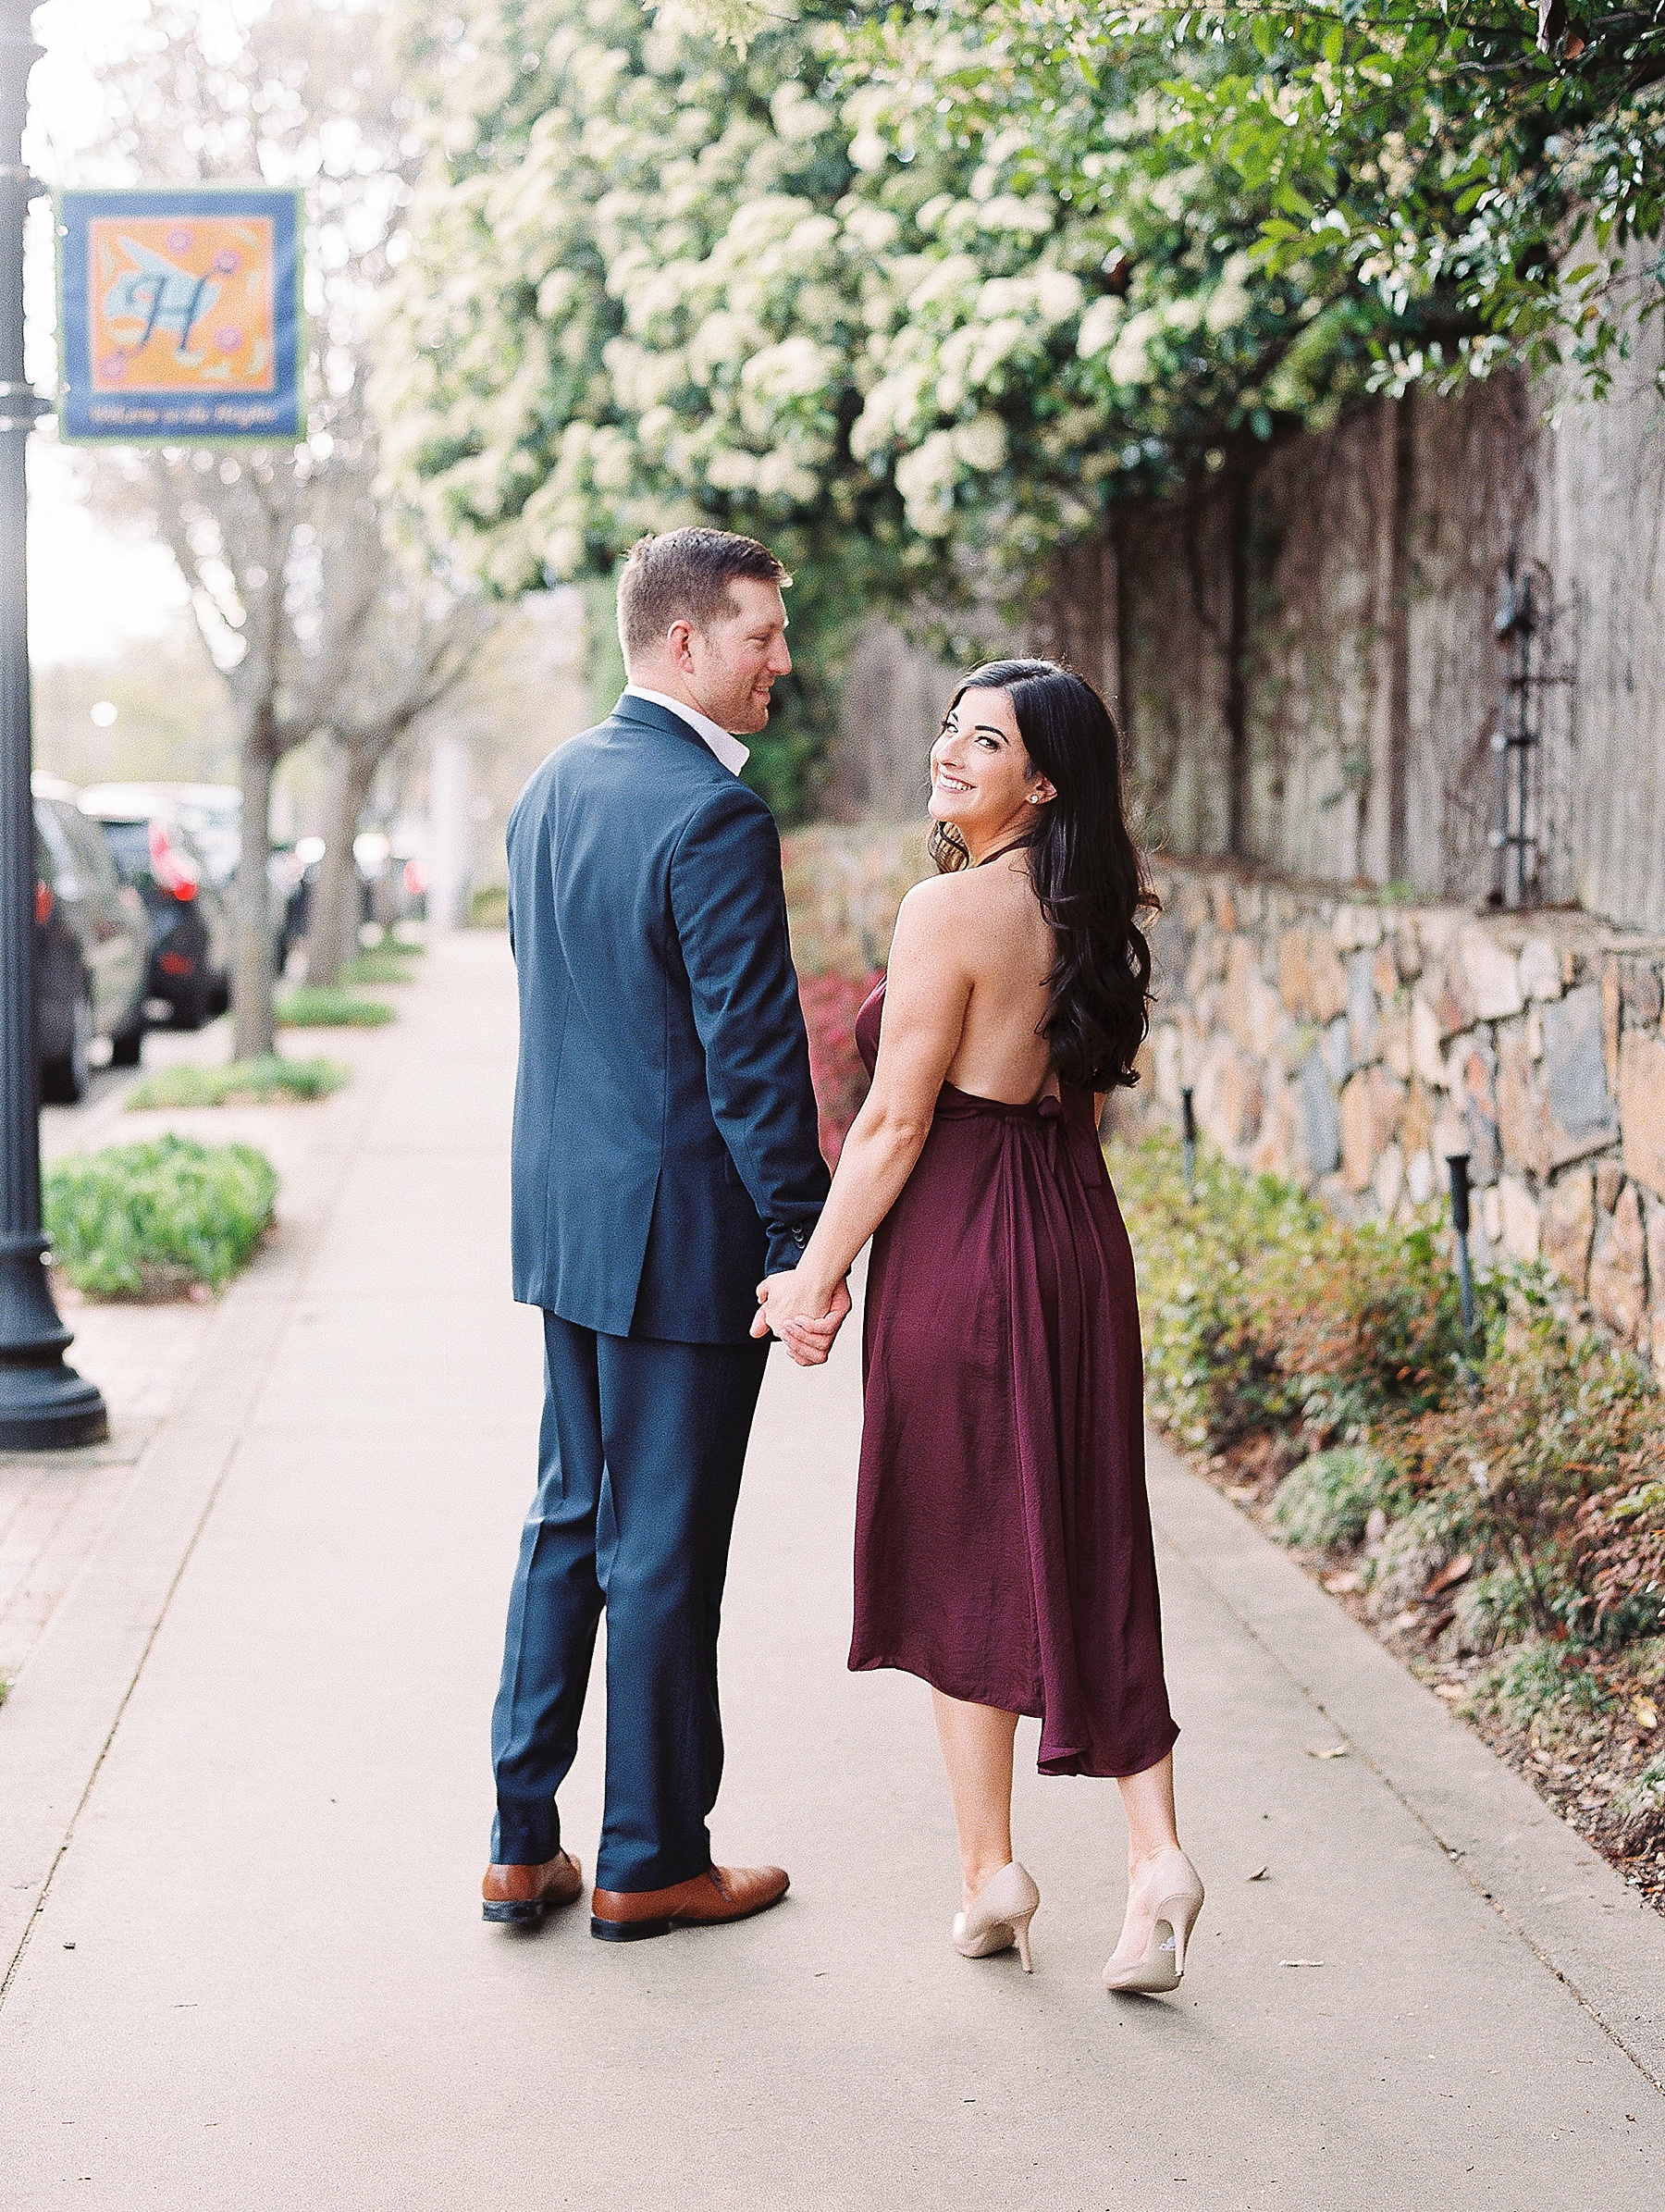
point(831, 1004)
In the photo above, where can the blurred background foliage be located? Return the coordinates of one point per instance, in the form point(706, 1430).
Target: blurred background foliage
point(916, 292)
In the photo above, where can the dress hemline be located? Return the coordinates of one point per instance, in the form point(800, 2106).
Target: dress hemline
point(1065, 1764)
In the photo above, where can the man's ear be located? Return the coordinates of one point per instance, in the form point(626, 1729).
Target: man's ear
point(677, 646)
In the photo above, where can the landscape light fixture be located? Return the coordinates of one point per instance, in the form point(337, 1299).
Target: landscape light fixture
point(1457, 1163)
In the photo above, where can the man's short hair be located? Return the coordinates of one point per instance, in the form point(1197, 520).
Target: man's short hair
point(685, 576)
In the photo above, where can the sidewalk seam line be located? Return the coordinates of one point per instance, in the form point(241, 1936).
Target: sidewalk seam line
point(1456, 1859)
point(139, 1666)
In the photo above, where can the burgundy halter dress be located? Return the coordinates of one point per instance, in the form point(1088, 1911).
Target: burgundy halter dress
point(1003, 1535)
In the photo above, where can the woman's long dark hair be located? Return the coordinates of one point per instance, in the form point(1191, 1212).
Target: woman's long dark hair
point(1085, 869)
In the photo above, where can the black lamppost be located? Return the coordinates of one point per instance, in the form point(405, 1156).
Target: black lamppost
point(45, 1404)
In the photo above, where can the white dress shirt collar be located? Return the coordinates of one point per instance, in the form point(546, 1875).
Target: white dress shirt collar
point(728, 748)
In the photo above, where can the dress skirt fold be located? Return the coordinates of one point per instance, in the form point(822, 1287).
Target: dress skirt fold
point(1003, 1534)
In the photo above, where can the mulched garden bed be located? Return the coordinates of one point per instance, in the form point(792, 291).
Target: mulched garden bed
point(1492, 1510)
point(1587, 1763)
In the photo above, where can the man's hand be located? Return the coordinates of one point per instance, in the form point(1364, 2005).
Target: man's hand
point(805, 1323)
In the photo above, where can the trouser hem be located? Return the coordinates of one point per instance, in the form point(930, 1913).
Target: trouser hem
point(660, 1874)
point(525, 1835)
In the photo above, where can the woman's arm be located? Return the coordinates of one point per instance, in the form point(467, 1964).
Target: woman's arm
point(927, 990)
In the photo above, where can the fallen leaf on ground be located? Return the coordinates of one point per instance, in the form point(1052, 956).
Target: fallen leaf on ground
point(1327, 1751)
point(1301, 1962)
point(1646, 1712)
point(1408, 1619)
point(1452, 1691)
point(1343, 1584)
point(1260, 1873)
point(1452, 1574)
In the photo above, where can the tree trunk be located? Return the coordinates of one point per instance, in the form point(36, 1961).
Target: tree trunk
point(332, 926)
point(251, 981)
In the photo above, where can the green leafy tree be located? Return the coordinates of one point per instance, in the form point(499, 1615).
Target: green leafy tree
point(1479, 177)
point(803, 293)
point(916, 292)
point(1476, 178)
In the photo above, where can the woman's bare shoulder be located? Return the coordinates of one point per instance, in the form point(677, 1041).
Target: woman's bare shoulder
point(948, 904)
point(965, 889)
point(935, 922)
point(934, 902)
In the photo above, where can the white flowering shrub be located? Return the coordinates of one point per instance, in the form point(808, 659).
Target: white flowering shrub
point(830, 285)
point(914, 291)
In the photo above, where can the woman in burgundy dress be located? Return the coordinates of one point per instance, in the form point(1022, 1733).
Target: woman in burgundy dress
point(1002, 1537)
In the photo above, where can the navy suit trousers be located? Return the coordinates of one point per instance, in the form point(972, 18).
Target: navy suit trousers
point(640, 1457)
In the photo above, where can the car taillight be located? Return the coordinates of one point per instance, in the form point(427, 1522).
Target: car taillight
point(45, 902)
point(172, 870)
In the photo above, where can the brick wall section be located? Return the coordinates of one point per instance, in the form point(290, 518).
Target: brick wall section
point(1353, 1044)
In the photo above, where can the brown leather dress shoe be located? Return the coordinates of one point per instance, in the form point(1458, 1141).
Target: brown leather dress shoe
point(522, 1894)
point(721, 1893)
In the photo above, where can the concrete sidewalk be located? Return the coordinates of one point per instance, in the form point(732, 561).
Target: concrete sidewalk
point(56, 1508)
point(244, 1799)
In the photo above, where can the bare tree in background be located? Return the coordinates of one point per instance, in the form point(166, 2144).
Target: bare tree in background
point(305, 604)
point(391, 693)
point(320, 629)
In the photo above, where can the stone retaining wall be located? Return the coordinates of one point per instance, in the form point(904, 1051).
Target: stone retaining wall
point(1353, 1044)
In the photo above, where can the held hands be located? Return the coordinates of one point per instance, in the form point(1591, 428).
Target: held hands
point(805, 1324)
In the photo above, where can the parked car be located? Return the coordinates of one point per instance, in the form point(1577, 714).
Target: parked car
point(191, 952)
point(92, 941)
point(211, 815)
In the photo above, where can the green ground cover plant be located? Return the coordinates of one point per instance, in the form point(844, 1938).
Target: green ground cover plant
point(268, 1081)
point(1495, 1511)
point(1325, 1504)
point(150, 1221)
point(1264, 1316)
point(388, 963)
point(1645, 1797)
point(1535, 1679)
point(310, 1007)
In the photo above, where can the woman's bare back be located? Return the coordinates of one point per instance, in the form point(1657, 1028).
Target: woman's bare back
point(1009, 947)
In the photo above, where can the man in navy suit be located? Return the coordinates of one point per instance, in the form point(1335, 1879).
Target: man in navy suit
point(665, 1159)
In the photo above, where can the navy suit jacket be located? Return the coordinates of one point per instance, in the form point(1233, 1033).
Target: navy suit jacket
point(665, 1151)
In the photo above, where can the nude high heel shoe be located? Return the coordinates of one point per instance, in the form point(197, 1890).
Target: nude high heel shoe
point(999, 1917)
point(1176, 1891)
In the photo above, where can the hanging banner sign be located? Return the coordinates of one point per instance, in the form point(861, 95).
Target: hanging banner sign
point(180, 316)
